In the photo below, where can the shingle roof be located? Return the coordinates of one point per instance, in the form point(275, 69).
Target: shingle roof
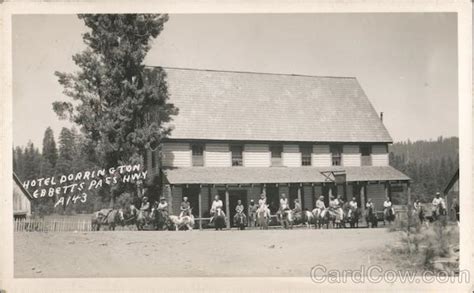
point(242, 175)
point(227, 105)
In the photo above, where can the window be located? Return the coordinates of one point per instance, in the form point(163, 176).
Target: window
point(276, 151)
point(198, 158)
point(236, 155)
point(336, 153)
point(365, 151)
point(306, 151)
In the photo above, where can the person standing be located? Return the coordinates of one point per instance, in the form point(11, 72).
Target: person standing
point(439, 206)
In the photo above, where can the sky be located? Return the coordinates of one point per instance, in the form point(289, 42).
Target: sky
point(405, 62)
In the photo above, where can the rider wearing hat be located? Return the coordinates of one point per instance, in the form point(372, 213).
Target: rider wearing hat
point(387, 204)
point(352, 206)
point(239, 210)
point(262, 204)
point(163, 205)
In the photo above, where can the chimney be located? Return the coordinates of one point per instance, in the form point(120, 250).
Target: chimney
point(381, 116)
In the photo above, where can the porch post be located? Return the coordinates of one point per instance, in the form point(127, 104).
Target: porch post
point(264, 189)
point(386, 190)
point(227, 209)
point(362, 196)
point(299, 195)
point(200, 207)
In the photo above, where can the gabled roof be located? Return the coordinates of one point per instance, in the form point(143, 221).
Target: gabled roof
point(228, 105)
point(23, 189)
point(256, 175)
point(451, 182)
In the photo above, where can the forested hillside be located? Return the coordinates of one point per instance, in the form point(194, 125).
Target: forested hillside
point(430, 164)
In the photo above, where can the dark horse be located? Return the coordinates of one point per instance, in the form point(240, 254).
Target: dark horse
point(219, 219)
point(106, 217)
point(353, 217)
point(371, 218)
point(388, 216)
point(240, 221)
point(438, 213)
point(287, 219)
point(160, 220)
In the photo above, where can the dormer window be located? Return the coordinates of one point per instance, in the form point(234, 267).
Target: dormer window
point(306, 151)
point(198, 155)
point(237, 156)
point(336, 154)
point(276, 151)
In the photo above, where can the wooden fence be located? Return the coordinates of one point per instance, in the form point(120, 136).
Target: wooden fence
point(51, 225)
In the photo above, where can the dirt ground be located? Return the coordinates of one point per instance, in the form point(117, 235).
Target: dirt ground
point(196, 253)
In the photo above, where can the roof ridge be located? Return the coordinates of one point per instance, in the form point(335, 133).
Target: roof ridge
point(252, 72)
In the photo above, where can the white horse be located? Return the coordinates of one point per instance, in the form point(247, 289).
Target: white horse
point(183, 221)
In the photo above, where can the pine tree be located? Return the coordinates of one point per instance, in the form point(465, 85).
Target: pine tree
point(50, 152)
point(121, 106)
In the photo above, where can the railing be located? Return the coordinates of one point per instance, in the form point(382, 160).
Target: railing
point(52, 225)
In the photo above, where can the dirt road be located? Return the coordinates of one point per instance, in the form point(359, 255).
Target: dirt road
point(196, 253)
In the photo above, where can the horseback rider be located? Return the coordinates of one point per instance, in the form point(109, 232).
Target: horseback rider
point(216, 203)
point(262, 204)
point(335, 208)
point(297, 208)
point(284, 204)
point(320, 206)
point(239, 211)
point(252, 212)
point(352, 206)
point(387, 204)
point(439, 204)
point(163, 206)
point(185, 208)
point(145, 207)
point(369, 204)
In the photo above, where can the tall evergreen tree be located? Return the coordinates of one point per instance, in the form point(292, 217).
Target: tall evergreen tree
point(121, 106)
point(50, 152)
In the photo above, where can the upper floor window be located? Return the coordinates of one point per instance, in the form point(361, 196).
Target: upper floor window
point(198, 155)
point(237, 151)
point(276, 151)
point(306, 151)
point(336, 153)
point(365, 152)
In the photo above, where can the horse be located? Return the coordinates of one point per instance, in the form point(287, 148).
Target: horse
point(353, 217)
point(160, 219)
point(388, 215)
point(371, 218)
point(305, 217)
point(106, 217)
point(219, 219)
point(140, 219)
point(318, 221)
point(263, 218)
point(184, 221)
point(438, 212)
point(287, 218)
point(240, 221)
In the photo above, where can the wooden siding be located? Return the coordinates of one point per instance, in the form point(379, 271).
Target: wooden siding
point(351, 155)
point(291, 156)
point(177, 197)
point(307, 196)
point(379, 159)
point(217, 155)
point(256, 155)
point(350, 149)
point(379, 149)
point(21, 204)
point(176, 155)
point(376, 192)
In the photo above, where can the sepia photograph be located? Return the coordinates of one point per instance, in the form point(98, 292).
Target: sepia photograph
point(171, 145)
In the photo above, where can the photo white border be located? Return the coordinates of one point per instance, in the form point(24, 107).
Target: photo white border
point(464, 10)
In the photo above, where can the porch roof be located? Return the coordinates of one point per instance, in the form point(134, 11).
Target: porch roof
point(255, 175)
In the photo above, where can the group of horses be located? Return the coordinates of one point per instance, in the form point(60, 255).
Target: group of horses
point(337, 218)
point(160, 220)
